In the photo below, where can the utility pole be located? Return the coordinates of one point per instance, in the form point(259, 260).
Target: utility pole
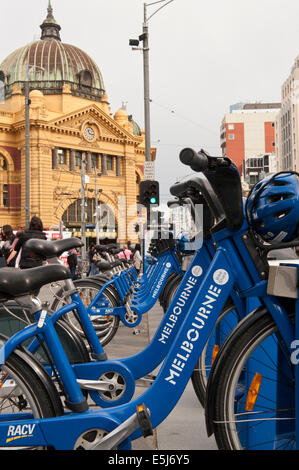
point(27, 142)
point(27, 150)
point(83, 224)
point(146, 72)
point(96, 205)
point(146, 84)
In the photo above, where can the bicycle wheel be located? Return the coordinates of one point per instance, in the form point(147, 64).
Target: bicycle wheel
point(253, 388)
point(226, 322)
point(23, 392)
point(105, 326)
point(14, 320)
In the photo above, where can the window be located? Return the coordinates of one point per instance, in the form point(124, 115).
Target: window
point(109, 162)
point(5, 195)
point(231, 127)
point(61, 156)
point(3, 163)
point(78, 159)
point(231, 136)
point(94, 160)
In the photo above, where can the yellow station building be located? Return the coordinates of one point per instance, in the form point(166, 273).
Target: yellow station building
point(70, 123)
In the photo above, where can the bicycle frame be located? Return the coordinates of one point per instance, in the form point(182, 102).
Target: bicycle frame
point(152, 284)
point(226, 271)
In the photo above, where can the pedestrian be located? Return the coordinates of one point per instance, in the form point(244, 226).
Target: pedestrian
point(137, 259)
point(93, 269)
point(125, 253)
point(2, 258)
point(72, 261)
point(8, 238)
point(29, 259)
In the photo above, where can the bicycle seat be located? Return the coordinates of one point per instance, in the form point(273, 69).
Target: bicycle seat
point(100, 248)
point(52, 249)
point(17, 282)
point(105, 266)
point(115, 251)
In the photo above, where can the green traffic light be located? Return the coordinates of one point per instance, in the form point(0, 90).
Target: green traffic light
point(153, 200)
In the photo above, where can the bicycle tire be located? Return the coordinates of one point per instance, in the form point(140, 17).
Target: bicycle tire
point(73, 344)
point(200, 374)
point(252, 392)
point(35, 390)
point(163, 298)
point(107, 329)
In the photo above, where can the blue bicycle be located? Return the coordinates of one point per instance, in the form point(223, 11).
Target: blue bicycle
point(252, 388)
point(120, 296)
point(232, 269)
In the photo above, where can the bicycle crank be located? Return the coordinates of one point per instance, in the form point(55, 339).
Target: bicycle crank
point(111, 389)
point(98, 439)
point(130, 318)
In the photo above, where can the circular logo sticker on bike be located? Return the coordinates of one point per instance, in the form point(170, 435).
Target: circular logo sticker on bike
point(221, 277)
point(196, 271)
point(168, 265)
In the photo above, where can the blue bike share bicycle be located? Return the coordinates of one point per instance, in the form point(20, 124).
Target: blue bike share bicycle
point(252, 387)
point(116, 295)
point(234, 270)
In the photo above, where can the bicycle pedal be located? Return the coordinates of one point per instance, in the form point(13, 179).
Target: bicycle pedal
point(144, 420)
point(146, 381)
point(113, 439)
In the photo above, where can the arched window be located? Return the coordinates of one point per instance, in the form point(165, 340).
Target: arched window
point(85, 78)
point(72, 216)
point(3, 163)
point(2, 87)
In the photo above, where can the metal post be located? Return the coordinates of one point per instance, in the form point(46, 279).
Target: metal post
point(83, 225)
point(96, 206)
point(27, 150)
point(146, 88)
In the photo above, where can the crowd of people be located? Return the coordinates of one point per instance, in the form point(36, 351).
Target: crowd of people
point(14, 253)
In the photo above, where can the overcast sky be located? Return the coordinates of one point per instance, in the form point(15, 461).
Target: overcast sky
point(204, 56)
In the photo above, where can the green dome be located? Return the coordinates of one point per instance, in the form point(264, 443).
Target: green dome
point(53, 64)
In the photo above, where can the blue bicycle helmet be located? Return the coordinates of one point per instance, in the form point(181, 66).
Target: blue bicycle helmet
point(273, 207)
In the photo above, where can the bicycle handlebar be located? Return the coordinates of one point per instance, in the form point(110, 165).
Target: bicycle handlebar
point(198, 161)
point(202, 161)
point(202, 184)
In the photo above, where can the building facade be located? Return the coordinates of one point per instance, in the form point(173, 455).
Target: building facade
point(287, 123)
point(258, 167)
point(76, 144)
point(249, 131)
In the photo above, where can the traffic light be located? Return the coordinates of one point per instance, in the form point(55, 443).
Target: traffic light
point(149, 193)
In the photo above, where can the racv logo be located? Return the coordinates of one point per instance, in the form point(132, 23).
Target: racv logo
point(19, 431)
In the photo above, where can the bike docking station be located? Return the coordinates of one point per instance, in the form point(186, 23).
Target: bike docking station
point(226, 267)
point(284, 282)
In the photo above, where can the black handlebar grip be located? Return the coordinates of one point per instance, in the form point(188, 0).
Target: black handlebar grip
point(197, 161)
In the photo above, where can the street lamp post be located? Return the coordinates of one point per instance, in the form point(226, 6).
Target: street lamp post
point(83, 221)
point(27, 150)
point(146, 82)
point(27, 143)
point(96, 205)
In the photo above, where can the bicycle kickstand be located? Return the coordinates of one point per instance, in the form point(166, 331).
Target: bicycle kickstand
point(140, 419)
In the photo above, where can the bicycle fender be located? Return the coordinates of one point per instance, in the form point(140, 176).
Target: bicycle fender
point(44, 377)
